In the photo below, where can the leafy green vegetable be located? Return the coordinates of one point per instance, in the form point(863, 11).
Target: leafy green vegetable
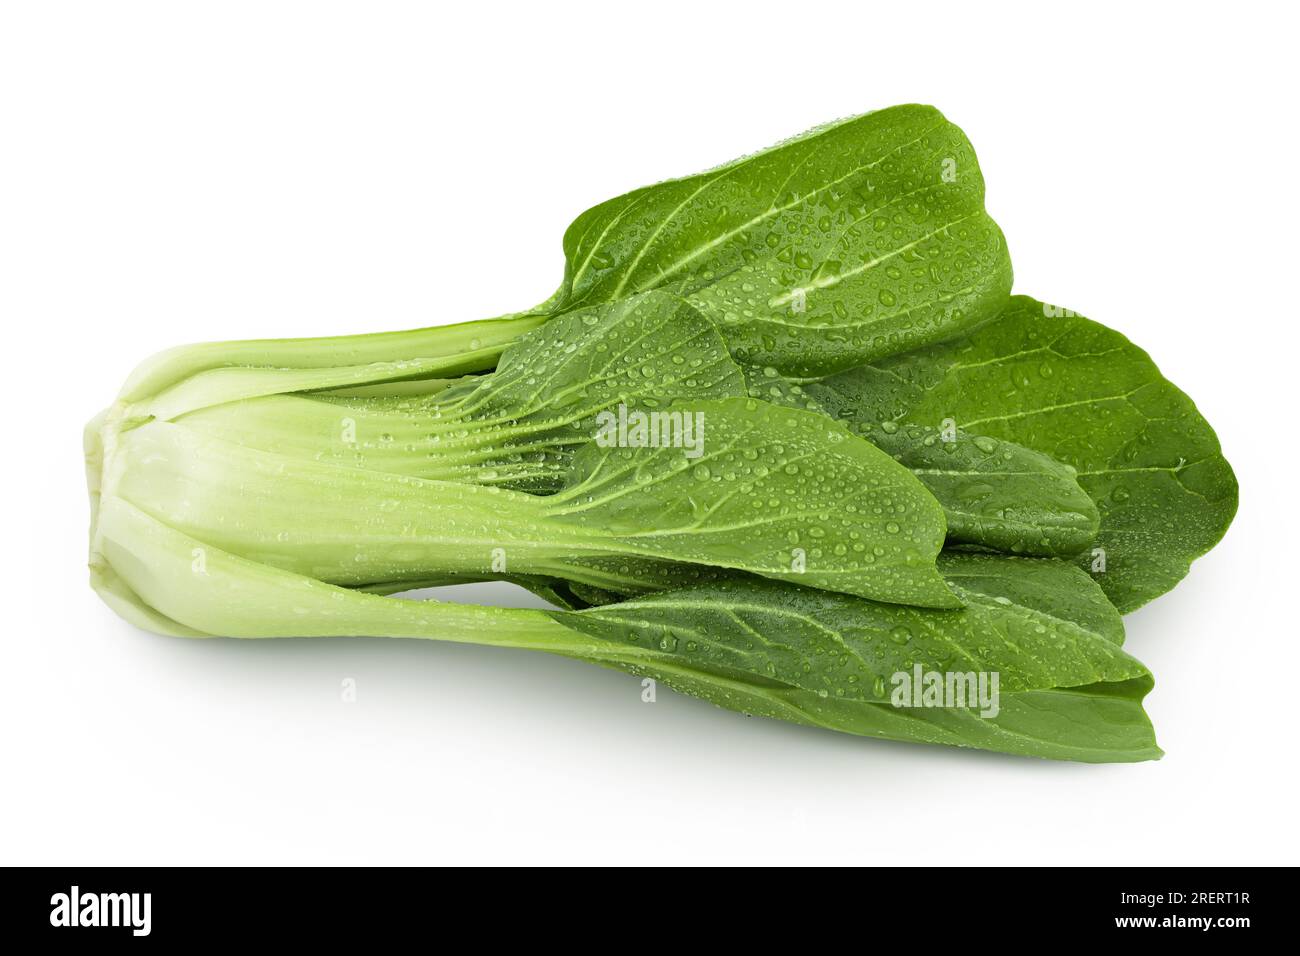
point(191, 377)
point(517, 427)
point(857, 240)
point(730, 446)
point(775, 491)
point(995, 494)
point(1073, 389)
point(1067, 690)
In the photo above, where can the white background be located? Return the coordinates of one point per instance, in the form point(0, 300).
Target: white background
point(178, 171)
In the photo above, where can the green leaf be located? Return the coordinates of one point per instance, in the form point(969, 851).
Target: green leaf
point(1018, 621)
point(774, 492)
point(782, 493)
point(1066, 690)
point(516, 427)
point(994, 494)
point(1073, 389)
point(1095, 723)
point(191, 377)
point(1054, 588)
point(857, 240)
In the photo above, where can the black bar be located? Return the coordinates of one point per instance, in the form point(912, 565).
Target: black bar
point(365, 905)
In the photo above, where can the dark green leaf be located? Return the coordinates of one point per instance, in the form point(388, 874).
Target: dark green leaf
point(995, 494)
point(1066, 690)
point(1073, 389)
point(857, 240)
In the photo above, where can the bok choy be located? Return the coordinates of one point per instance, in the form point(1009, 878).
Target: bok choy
point(781, 440)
